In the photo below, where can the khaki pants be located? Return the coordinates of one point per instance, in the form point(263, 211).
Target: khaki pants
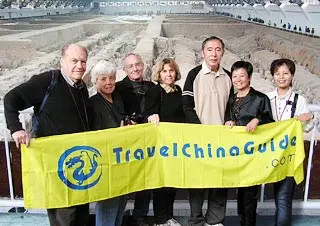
point(216, 212)
point(69, 216)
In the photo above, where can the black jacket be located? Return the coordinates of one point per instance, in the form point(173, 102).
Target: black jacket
point(105, 114)
point(254, 105)
point(133, 100)
point(167, 105)
point(65, 111)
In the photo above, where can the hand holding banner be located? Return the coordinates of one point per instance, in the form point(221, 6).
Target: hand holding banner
point(68, 170)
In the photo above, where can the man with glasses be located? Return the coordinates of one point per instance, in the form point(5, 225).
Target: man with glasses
point(132, 90)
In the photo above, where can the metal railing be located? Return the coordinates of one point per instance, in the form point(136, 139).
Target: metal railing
point(304, 204)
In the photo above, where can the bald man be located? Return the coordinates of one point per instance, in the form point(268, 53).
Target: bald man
point(65, 91)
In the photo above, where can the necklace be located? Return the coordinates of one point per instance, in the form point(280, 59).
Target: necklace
point(85, 122)
point(236, 107)
point(244, 94)
point(276, 107)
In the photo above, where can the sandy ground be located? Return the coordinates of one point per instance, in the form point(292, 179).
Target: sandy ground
point(186, 52)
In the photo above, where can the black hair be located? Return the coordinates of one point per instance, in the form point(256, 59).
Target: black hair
point(210, 39)
point(243, 64)
point(284, 61)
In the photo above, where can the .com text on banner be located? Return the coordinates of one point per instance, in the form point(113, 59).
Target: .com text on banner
point(68, 170)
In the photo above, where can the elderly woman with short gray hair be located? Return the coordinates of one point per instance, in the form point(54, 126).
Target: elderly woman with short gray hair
point(108, 106)
point(107, 113)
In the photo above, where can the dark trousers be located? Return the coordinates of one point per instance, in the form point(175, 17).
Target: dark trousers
point(283, 196)
point(217, 200)
point(247, 205)
point(163, 199)
point(141, 204)
point(69, 216)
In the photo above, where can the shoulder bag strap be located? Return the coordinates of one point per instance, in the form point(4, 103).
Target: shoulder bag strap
point(294, 105)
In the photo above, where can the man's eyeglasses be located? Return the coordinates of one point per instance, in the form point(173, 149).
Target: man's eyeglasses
point(131, 66)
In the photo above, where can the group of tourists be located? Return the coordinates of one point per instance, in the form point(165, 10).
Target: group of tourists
point(212, 95)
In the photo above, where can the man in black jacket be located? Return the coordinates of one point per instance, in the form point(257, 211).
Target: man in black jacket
point(64, 111)
point(132, 90)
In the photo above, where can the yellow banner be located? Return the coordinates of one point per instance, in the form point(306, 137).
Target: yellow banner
point(67, 170)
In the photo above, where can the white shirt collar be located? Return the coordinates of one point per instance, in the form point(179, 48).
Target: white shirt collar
point(287, 95)
point(274, 94)
point(67, 78)
point(207, 70)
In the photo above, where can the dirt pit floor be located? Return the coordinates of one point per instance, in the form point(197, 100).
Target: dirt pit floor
point(28, 50)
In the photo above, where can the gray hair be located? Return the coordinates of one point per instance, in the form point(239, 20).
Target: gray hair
point(103, 67)
point(130, 54)
point(66, 47)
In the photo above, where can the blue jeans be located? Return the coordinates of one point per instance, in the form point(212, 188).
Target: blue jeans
point(283, 196)
point(110, 212)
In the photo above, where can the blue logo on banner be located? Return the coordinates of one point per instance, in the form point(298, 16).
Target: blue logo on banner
point(78, 167)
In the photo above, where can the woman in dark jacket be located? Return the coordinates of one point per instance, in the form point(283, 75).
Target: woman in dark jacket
point(107, 113)
point(250, 108)
point(165, 99)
